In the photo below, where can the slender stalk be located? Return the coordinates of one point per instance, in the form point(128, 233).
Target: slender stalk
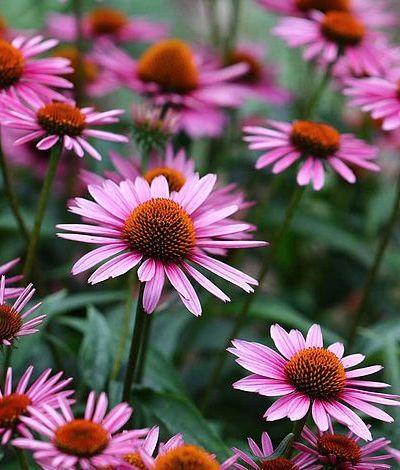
point(79, 44)
point(241, 317)
point(22, 459)
point(233, 30)
point(43, 200)
point(143, 349)
point(298, 427)
point(373, 272)
point(318, 92)
point(11, 195)
point(7, 362)
point(212, 17)
point(137, 339)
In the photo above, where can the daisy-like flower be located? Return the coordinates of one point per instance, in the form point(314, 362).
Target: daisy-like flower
point(170, 74)
point(53, 122)
point(334, 36)
point(13, 321)
point(332, 450)
point(394, 453)
point(167, 232)
point(45, 390)
point(259, 462)
point(11, 292)
point(308, 376)
point(314, 145)
point(106, 22)
point(88, 442)
point(23, 74)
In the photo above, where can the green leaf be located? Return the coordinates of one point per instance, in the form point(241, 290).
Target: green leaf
point(94, 358)
point(160, 375)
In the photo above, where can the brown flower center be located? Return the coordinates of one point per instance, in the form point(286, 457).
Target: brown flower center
point(135, 460)
point(61, 119)
point(342, 448)
point(11, 64)
point(174, 177)
point(105, 20)
point(278, 464)
point(81, 437)
point(160, 229)
point(89, 68)
point(171, 65)
point(318, 140)
point(317, 373)
point(254, 73)
point(323, 5)
point(10, 322)
point(11, 408)
point(343, 28)
point(186, 457)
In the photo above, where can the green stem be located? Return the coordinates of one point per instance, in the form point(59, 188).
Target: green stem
point(6, 364)
point(137, 339)
point(375, 267)
point(232, 35)
point(80, 46)
point(212, 17)
point(22, 459)
point(143, 349)
point(318, 92)
point(11, 196)
point(43, 200)
point(241, 317)
point(298, 427)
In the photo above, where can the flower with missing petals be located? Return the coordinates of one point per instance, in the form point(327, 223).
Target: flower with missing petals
point(314, 146)
point(11, 292)
point(306, 375)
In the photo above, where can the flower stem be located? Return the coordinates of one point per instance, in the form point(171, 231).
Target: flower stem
point(375, 267)
point(232, 35)
point(298, 427)
point(318, 92)
point(11, 196)
point(212, 17)
point(241, 317)
point(22, 459)
point(43, 200)
point(137, 340)
point(79, 44)
point(143, 349)
point(7, 363)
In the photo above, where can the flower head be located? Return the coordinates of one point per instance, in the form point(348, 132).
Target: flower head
point(21, 402)
point(11, 292)
point(307, 375)
point(167, 232)
point(90, 441)
point(52, 122)
point(314, 145)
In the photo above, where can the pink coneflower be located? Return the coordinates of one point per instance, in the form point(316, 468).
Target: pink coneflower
point(28, 77)
point(13, 324)
point(394, 453)
point(334, 36)
point(309, 376)
point(14, 405)
point(171, 75)
point(91, 441)
point(332, 450)
point(166, 232)
point(106, 22)
point(53, 122)
point(11, 292)
point(378, 96)
point(313, 145)
point(259, 462)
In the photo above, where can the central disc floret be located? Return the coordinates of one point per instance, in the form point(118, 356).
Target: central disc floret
point(135, 460)
point(11, 408)
point(10, 322)
point(81, 437)
point(186, 457)
point(160, 229)
point(11, 64)
point(171, 65)
point(174, 177)
point(254, 73)
point(343, 28)
point(323, 5)
point(341, 447)
point(61, 119)
point(278, 464)
point(316, 372)
point(315, 139)
point(106, 20)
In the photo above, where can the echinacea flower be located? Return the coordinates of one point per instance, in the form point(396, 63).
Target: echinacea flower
point(167, 232)
point(88, 442)
point(334, 36)
point(312, 144)
point(170, 74)
point(343, 452)
point(53, 122)
point(308, 376)
point(28, 77)
point(45, 390)
point(262, 457)
point(13, 321)
point(11, 292)
point(394, 453)
point(106, 22)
